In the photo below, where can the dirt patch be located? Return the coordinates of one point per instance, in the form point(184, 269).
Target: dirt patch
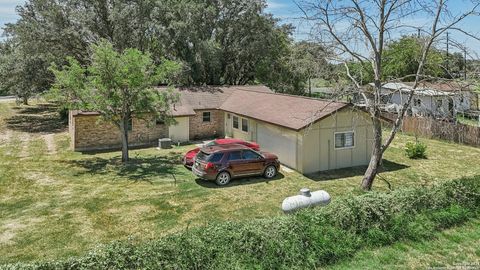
point(9, 231)
point(25, 142)
point(10, 228)
point(40, 178)
point(5, 137)
point(50, 142)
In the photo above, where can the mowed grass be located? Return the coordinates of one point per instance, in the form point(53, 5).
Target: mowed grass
point(56, 203)
point(456, 248)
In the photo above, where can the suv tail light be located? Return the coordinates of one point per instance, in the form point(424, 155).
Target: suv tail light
point(209, 165)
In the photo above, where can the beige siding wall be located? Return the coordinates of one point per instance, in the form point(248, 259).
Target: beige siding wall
point(247, 136)
point(318, 142)
point(180, 131)
point(90, 133)
point(281, 141)
point(200, 130)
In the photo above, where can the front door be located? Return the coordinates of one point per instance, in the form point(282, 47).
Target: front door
point(228, 125)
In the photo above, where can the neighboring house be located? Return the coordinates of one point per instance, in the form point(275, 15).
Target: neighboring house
point(430, 99)
point(307, 134)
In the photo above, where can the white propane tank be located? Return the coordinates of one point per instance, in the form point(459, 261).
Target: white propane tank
point(305, 199)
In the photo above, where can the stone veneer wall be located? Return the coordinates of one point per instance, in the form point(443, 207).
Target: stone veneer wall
point(88, 133)
point(201, 130)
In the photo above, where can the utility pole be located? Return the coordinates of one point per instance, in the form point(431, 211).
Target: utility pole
point(465, 62)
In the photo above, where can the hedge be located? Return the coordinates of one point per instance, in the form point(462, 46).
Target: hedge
point(309, 238)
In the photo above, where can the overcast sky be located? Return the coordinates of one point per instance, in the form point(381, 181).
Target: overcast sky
point(288, 12)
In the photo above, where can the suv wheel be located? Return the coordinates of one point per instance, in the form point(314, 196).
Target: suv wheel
point(270, 172)
point(223, 178)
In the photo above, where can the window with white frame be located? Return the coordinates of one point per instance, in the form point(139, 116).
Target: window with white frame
point(244, 124)
point(235, 122)
point(344, 139)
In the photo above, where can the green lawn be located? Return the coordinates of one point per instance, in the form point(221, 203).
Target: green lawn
point(56, 203)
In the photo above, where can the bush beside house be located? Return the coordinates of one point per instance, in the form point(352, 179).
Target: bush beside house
point(416, 150)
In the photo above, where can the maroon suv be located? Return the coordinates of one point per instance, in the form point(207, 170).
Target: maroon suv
point(224, 162)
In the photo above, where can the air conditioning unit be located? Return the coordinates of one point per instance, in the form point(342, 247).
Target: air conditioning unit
point(165, 143)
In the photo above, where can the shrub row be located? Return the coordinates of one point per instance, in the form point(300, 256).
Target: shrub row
point(309, 238)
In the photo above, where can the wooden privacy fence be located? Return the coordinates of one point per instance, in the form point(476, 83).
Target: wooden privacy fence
point(431, 128)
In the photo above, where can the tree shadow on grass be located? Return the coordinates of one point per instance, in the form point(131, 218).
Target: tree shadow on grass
point(388, 166)
point(239, 181)
point(137, 169)
point(36, 119)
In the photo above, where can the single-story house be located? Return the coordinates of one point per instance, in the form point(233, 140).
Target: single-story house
point(307, 134)
point(431, 99)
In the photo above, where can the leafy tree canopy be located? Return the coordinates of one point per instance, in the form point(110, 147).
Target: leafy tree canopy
point(217, 41)
point(400, 61)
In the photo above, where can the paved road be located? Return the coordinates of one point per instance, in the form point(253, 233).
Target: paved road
point(7, 98)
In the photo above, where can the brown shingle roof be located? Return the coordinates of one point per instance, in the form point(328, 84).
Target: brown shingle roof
point(86, 113)
point(207, 97)
point(257, 102)
point(292, 112)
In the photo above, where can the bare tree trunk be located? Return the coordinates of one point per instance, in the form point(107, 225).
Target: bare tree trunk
point(124, 131)
point(377, 155)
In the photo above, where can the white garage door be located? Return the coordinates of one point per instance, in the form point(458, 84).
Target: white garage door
point(279, 141)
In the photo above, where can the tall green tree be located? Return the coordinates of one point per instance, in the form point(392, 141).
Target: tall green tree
point(309, 60)
point(117, 85)
point(217, 41)
point(22, 73)
point(402, 57)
